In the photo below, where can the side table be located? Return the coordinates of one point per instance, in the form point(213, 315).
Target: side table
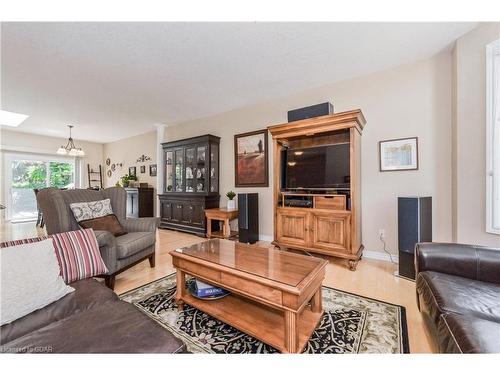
point(220, 214)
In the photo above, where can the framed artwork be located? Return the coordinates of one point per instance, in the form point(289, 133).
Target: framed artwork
point(251, 157)
point(132, 171)
point(398, 154)
point(152, 170)
point(143, 169)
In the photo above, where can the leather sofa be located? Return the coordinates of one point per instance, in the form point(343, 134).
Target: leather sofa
point(92, 319)
point(458, 294)
point(118, 253)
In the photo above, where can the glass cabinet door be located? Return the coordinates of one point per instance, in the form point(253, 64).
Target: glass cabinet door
point(179, 166)
point(201, 173)
point(214, 168)
point(190, 170)
point(169, 171)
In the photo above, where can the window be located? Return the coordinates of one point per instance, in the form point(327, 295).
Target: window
point(24, 173)
point(493, 137)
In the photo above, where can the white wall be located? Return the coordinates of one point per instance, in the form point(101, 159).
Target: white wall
point(127, 151)
point(410, 100)
point(469, 164)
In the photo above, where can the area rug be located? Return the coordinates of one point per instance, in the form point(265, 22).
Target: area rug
point(350, 324)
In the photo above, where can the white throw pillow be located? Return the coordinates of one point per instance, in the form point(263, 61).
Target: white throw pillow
point(29, 279)
point(91, 210)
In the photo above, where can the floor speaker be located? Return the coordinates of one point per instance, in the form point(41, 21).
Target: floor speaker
point(414, 226)
point(248, 218)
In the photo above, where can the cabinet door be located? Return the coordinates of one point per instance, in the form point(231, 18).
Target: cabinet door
point(201, 169)
point(197, 213)
point(214, 168)
point(169, 170)
point(177, 212)
point(187, 213)
point(190, 172)
point(330, 231)
point(292, 227)
point(179, 170)
point(166, 210)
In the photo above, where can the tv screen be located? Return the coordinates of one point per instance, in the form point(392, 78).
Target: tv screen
point(318, 167)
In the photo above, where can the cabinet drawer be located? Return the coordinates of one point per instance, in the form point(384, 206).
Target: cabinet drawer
point(252, 288)
point(337, 202)
point(196, 270)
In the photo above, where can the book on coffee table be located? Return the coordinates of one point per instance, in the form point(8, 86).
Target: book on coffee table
point(206, 290)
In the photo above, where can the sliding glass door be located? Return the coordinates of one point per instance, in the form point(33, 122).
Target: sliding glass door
point(25, 174)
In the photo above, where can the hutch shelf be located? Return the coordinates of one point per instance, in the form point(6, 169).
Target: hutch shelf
point(190, 183)
point(329, 221)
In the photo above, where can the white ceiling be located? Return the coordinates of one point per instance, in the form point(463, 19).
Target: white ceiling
point(115, 80)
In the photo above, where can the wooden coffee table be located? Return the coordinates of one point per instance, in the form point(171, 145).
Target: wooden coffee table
point(276, 295)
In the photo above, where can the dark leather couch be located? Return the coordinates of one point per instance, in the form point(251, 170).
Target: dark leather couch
point(458, 294)
point(92, 319)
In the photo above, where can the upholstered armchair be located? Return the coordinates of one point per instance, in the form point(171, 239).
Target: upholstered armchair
point(118, 253)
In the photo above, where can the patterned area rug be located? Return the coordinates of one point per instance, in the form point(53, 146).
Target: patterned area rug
point(350, 324)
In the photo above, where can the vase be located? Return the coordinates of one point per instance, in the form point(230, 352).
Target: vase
point(231, 204)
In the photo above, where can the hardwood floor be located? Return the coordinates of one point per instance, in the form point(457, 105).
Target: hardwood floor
point(374, 279)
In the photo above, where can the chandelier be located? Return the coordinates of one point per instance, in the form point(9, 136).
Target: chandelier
point(70, 148)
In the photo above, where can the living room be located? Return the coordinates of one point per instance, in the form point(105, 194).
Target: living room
point(250, 187)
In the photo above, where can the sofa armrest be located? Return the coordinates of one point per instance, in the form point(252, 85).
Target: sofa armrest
point(107, 247)
point(145, 224)
point(469, 261)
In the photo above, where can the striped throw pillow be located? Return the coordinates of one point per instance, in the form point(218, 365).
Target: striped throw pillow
point(77, 253)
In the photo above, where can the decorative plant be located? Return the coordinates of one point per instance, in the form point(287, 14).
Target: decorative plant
point(230, 195)
point(128, 177)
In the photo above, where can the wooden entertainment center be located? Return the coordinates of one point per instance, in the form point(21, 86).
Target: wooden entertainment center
point(325, 221)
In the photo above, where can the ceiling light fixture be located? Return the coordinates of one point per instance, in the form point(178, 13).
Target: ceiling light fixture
point(70, 149)
point(11, 118)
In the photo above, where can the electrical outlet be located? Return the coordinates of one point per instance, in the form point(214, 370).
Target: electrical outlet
point(381, 233)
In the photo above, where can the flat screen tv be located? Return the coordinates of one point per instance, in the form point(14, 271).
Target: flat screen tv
point(323, 167)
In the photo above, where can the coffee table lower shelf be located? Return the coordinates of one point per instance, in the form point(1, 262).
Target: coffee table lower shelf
point(260, 321)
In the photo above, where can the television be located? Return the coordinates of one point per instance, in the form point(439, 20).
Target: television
point(320, 168)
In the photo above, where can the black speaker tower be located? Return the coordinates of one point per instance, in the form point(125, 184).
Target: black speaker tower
point(414, 225)
point(248, 219)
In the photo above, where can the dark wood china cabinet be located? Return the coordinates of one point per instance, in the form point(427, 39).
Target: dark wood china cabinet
point(190, 183)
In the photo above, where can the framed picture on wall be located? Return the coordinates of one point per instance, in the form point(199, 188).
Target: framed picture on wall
point(251, 157)
point(398, 154)
point(143, 169)
point(152, 170)
point(132, 171)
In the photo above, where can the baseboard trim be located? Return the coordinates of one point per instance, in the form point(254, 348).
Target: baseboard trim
point(368, 254)
point(377, 255)
point(263, 237)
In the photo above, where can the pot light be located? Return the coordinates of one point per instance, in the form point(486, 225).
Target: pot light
point(11, 118)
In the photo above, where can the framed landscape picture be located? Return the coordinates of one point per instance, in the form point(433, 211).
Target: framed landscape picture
point(251, 156)
point(398, 154)
point(132, 171)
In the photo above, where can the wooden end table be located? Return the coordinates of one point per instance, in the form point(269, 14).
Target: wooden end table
point(275, 295)
point(224, 215)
